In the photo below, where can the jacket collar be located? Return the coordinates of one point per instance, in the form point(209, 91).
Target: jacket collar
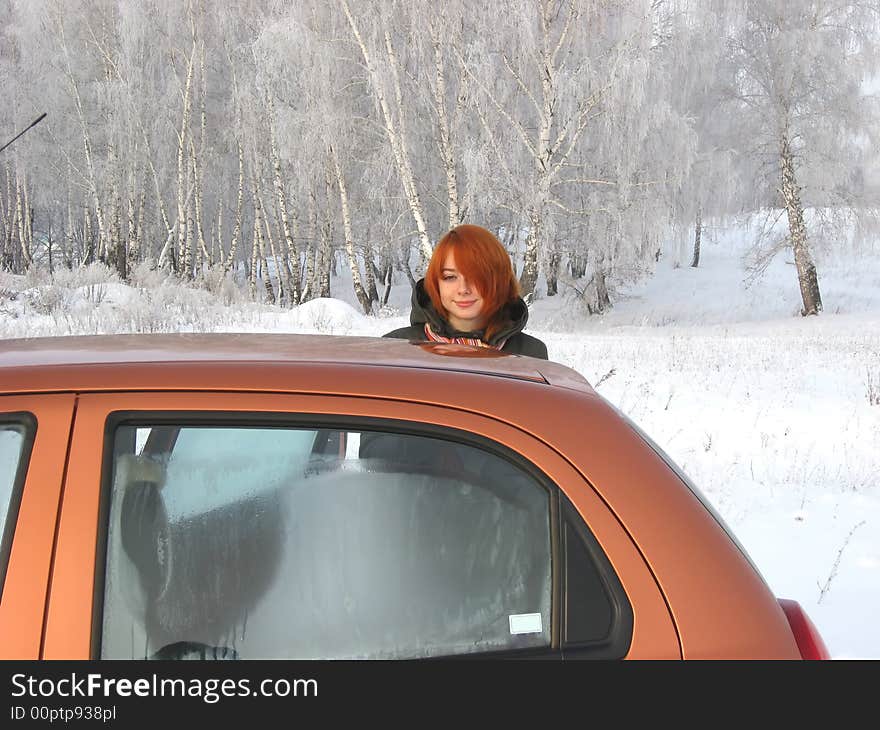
point(516, 314)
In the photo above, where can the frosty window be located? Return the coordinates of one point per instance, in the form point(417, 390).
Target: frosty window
point(12, 439)
point(313, 543)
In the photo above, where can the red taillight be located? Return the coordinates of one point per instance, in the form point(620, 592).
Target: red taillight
point(805, 632)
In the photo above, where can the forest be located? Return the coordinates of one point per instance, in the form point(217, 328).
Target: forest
point(270, 143)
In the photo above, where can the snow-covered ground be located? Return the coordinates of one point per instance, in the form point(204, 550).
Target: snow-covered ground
point(775, 417)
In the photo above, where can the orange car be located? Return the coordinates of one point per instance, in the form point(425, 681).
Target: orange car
point(290, 496)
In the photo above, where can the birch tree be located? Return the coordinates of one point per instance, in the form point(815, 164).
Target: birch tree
point(381, 60)
point(445, 33)
point(699, 178)
point(556, 85)
point(271, 136)
point(85, 124)
point(337, 170)
point(796, 82)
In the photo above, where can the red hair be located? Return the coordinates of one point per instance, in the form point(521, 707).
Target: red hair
point(481, 258)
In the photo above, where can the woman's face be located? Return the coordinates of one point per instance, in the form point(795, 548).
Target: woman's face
point(460, 298)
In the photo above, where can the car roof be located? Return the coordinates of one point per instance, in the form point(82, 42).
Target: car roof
point(60, 363)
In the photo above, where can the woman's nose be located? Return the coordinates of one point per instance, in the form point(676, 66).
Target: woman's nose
point(464, 285)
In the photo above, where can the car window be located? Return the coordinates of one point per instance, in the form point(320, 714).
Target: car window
point(215, 467)
point(239, 542)
point(12, 441)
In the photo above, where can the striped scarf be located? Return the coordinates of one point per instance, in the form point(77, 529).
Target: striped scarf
point(476, 342)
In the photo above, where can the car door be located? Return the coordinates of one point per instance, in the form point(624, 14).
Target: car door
point(34, 433)
point(248, 525)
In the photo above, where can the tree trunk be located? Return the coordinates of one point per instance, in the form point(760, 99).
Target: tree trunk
point(138, 253)
point(295, 258)
point(217, 235)
point(404, 265)
point(359, 290)
point(49, 245)
point(239, 206)
point(189, 252)
point(119, 251)
point(29, 227)
point(255, 247)
point(202, 250)
point(324, 261)
point(387, 275)
point(552, 269)
point(9, 223)
point(22, 257)
point(603, 301)
point(162, 258)
point(325, 249)
point(132, 227)
point(370, 274)
point(69, 234)
point(121, 259)
point(698, 233)
point(291, 254)
point(445, 142)
point(806, 269)
point(529, 275)
point(282, 271)
point(265, 274)
point(311, 250)
point(577, 265)
point(260, 241)
point(87, 149)
point(88, 238)
point(199, 159)
point(182, 252)
point(110, 246)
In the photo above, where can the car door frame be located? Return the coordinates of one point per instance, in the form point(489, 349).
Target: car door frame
point(35, 510)
point(72, 620)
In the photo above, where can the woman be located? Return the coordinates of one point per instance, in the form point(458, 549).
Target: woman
point(470, 296)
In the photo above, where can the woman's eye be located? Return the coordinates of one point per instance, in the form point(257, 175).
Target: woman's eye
point(448, 277)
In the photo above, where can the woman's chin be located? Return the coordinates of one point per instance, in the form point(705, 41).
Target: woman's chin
point(467, 324)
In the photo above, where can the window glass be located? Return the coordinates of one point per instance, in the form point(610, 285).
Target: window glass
point(215, 467)
point(11, 441)
point(295, 543)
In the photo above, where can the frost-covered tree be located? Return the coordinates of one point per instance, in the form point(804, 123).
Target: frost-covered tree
point(557, 104)
point(372, 29)
point(260, 139)
point(795, 80)
point(701, 177)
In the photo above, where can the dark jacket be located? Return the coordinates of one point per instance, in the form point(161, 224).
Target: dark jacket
point(516, 313)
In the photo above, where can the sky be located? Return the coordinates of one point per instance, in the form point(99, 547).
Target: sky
point(775, 417)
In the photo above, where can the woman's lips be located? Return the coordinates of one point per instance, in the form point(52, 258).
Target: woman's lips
point(465, 305)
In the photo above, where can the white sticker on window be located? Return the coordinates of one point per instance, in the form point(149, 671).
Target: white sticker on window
point(525, 623)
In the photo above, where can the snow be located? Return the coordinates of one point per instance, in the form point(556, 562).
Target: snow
point(769, 413)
